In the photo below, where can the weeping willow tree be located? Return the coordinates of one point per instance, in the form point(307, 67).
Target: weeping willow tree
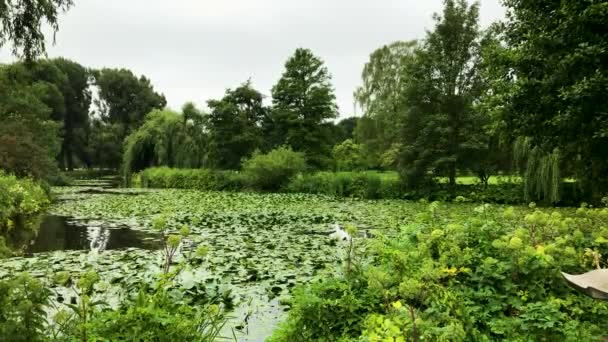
point(540, 170)
point(166, 138)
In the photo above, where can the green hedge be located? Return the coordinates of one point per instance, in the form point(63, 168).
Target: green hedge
point(365, 185)
point(369, 185)
point(22, 201)
point(201, 179)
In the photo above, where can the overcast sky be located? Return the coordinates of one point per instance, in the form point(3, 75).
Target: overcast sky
point(193, 50)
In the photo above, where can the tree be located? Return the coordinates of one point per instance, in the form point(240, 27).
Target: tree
point(441, 126)
point(165, 139)
point(77, 99)
point(29, 138)
point(235, 126)
point(21, 24)
point(557, 68)
point(124, 101)
point(125, 98)
point(382, 98)
point(303, 101)
point(344, 129)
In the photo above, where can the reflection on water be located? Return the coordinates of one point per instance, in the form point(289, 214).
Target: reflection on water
point(59, 233)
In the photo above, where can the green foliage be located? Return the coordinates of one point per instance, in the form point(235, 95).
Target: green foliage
point(441, 127)
point(165, 139)
point(29, 136)
point(349, 156)
point(22, 303)
point(151, 314)
point(124, 101)
point(552, 75)
point(235, 126)
point(273, 170)
point(21, 23)
point(22, 201)
point(201, 179)
point(303, 101)
point(468, 273)
point(331, 310)
point(385, 79)
point(77, 99)
point(344, 129)
point(540, 171)
point(157, 317)
point(368, 185)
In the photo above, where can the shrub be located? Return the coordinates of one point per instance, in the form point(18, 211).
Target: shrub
point(330, 310)
point(200, 179)
point(272, 171)
point(469, 273)
point(22, 201)
point(22, 303)
point(349, 156)
point(156, 317)
point(368, 185)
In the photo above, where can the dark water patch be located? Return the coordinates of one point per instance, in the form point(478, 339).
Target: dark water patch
point(58, 233)
point(109, 191)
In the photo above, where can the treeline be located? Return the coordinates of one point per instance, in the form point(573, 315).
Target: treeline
point(57, 114)
point(240, 123)
point(525, 96)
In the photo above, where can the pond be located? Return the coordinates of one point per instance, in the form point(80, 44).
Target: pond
point(261, 245)
point(57, 233)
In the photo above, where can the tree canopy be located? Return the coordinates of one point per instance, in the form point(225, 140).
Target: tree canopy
point(441, 127)
point(235, 126)
point(303, 102)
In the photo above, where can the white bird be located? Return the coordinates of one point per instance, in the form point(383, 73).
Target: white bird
point(339, 233)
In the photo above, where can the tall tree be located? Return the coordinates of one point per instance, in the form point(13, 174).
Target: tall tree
point(125, 98)
point(124, 101)
point(77, 99)
point(235, 126)
point(21, 24)
point(303, 101)
point(441, 125)
point(557, 62)
point(382, 97)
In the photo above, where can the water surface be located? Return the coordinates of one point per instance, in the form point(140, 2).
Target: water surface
point(58, 233)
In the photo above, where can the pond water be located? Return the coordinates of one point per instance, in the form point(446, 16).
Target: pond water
point(59, 233)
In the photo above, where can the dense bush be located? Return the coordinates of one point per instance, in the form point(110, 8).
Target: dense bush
point(201, 179)
point(369, 185)
point(469, 273)
point(152, 315)
point(349, 156)
point(22, 303)
point(273, 170)
point(22, 201)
